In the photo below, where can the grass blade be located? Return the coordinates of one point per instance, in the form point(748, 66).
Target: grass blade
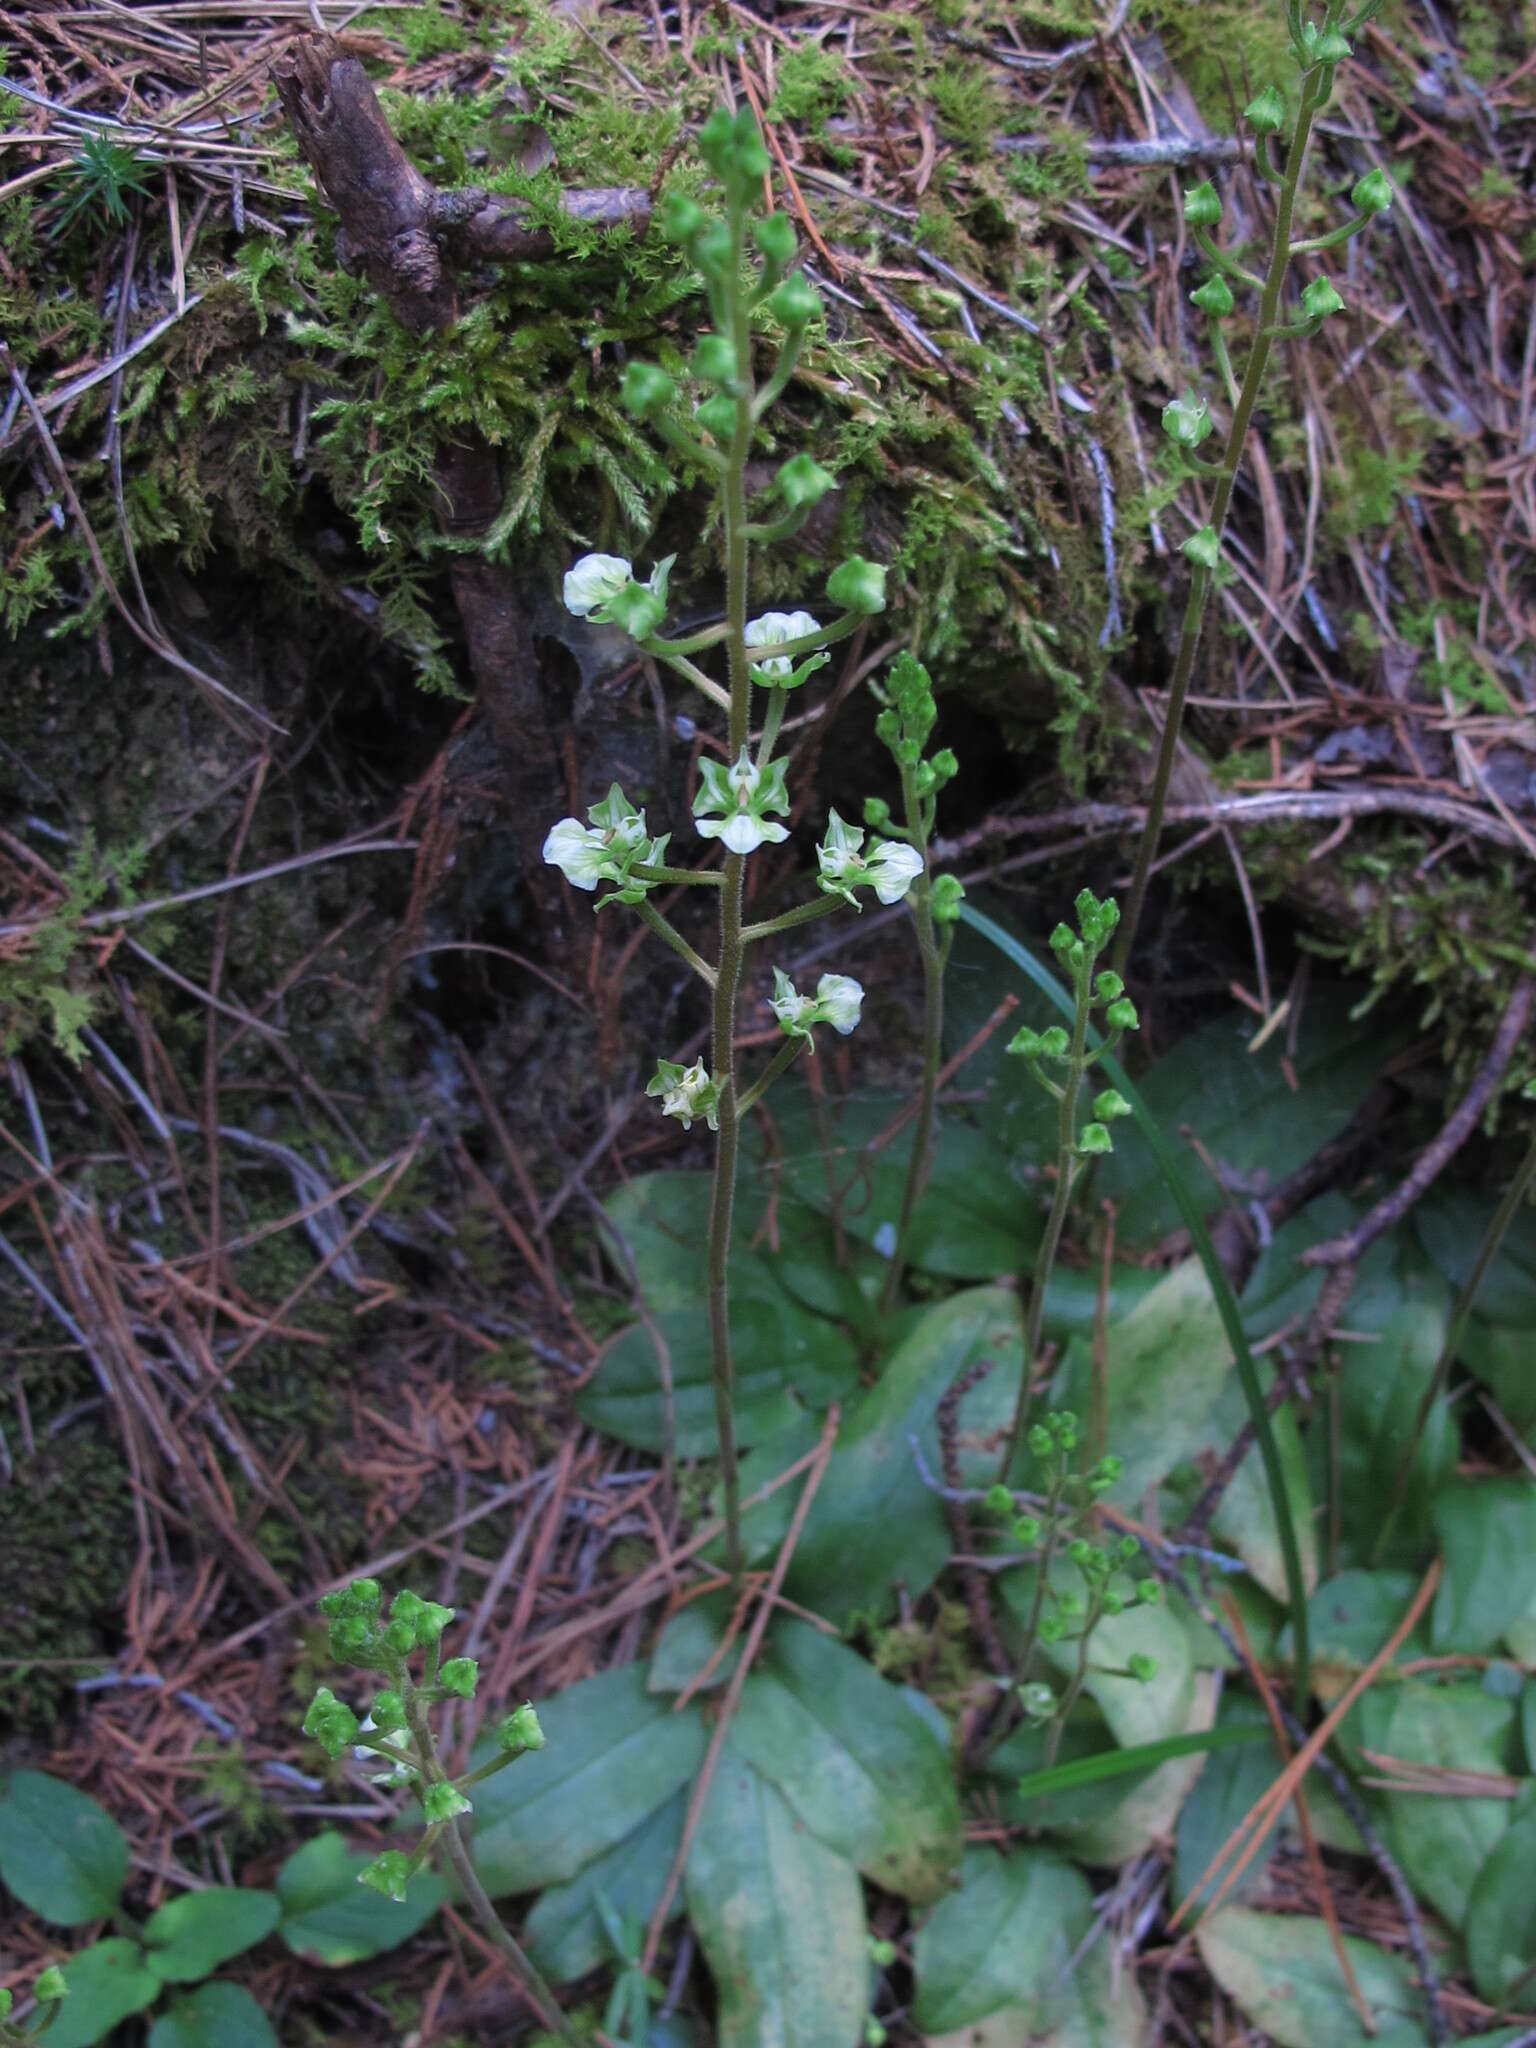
point(1145, 1756)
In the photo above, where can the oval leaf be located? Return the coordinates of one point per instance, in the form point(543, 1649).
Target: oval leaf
point(1002, 1943)
point(189, 1937)
point(1283, 1975)
point(1501, 1920)
point(330, 1918)
point(107, 1983)
point(225, 2014)
point(565, 1930)
point(780, 1919)
point(60, 1853)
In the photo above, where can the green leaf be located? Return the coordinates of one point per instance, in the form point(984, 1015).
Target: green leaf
point(1002, 1943)
point(1443, 1841)
point(1245, 1519)
point(1146, 1756)
point(329, 1918)
point(1352, 1615)
point(874, 1522)
point(60, 1853)
point(1501, 1919)
point(565, 1930)
point(615, 1753)
point(188, 1938)
point(1223, 1794)
point(1101, 2005)
point(1282, 1974)
point(687, 1643)
point(1451, 1224)
point(780, 1919)
point(852, 1760)
point(221, 2014)
point(107, 1983)
point(1487, 1532)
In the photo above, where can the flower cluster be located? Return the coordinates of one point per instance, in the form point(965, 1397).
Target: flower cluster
point(610, 849)
point(603, 588)
point(733, 803)
point(837, 1002)
point(1095, 988)
point(686, 1093)
point(888, 867)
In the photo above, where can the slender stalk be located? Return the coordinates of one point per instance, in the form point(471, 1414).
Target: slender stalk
point(931, 955)
point(1313, 92)
point(529, 1977)
point(803, 913)
point(1074, 1691)
point(671, 936)
point(783, 1058)
point(1045, 1258)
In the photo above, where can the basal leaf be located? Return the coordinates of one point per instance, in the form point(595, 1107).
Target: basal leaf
point(1443, 1838)
point(1222, 1795)
point(188, 1938)
point(1282, 1974)
point(1501, 1918)
point(60, 1853)
point(565, 1930)
point(215, 2016)
point(1001, 1943)
point(780, 1918)
point(615, 1753)
point(108, 1983)
point(1487, 1532)
point(329, 1918)
point(852, 1760)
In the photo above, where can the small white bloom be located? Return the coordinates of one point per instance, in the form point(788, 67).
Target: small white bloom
point(579, 851)
point(772, 630)
point(745, 794)
point(686, 1093)
point(838, 1000)
point(794, 1011)
point(595, 581)
point(893, 868)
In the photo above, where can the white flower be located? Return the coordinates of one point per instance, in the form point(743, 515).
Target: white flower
point(792, 1009)
point(595, 581)
point(579, 851)
point(838, 1000)
point(893, 868)
point(772, 630)
point(686, 1093)
point(744, 793)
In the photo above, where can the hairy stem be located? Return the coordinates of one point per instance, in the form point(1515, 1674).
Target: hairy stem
point(1313, 92)
point(933, 1035)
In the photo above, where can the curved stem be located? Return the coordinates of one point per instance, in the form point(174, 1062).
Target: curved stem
point(803, 913)
point(783, 1058)
point(1312, 95)
point(933, 1040)
point(671, 936)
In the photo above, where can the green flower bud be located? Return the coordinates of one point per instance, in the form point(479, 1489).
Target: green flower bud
point(1080, 1550)
point(1110, 1468)
point(1072, 1605)
point(1026, 1532)
point(945, 897)
point(882, 1953)
point(802, 481)
point(877, 813)
point(775, 238)
point(1128, 1547)
point(732, 147)
point(50, 1986)
point(1267, 112)
point(998, 1500)
point(363, 1596)
point(1110, 1104)
point(442, 1802)
point(945, 766)
point(874, 2033)
point(714, 360)
point(1121, 1015)
point(1062, 939)
point(1320, 299)
point(1203, 548)
point(331, 1722)
point(1374, 193)
point(1214, 297)
point(351, 1639)
point(387, 1713)
point(646, 390)
point(1149, 1591)
point(399, 1638)
point(1041, 1442)
point(682, 218)
point(1187, 420)
point(387, 1874)
point(717, 416)
point(459, 1675)
point(711, 248)
point(1026, 1043)
point(857, 586)
point(521, 1730)
point(1113, 1602)
point(794, 304)
point(1109, 985)
point(1052, 1628)
point(1055, 1042)
point(1063, 1426)
point(1141, 1667)
point(1202, 206)
point(639, 610)
point(1037, 1700)
point(1331, 48)
point(1095, 1140)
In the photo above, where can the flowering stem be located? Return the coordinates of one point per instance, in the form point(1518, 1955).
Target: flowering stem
point(1314, 92)
point(528, 1977)
point(783, 1058)
point(932, 956)
point(803, 913)
point(1045, 1258)
point(773, 718)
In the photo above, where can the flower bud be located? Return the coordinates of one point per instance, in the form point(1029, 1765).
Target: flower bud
point(998, 1500)
point(363, 1596)
point(1203, 548)
point(717, 416)
point(775, 239)
point(1037, 1700)
point(732, 147)
point(400, 1638)
point(1187, 420)
point(1041, 1442)
point(1109, 985)
point(458, 1675)
point(1062, 939)
point(1374, 193)
point(351, 1639)
point(520, 1730)
point(682, 218)
point(1055, 1041)
point(714, 360)
point(331, 1722)
point(802, 482)
point(442, 1802)
point(1026, 1532)
point(794, 304)
point(1214, 297)
point(1026, 1043)
point(646, 390)
point(1320, 299)
point(1141, 1667)
point(882, 1953)
point(1266, 113)
point(1052, 1628)
point(387, 1713)
point(1331, 48)
point(1149, 1591)
point(1110, 1104)
point(1095, 1139)
point(945, 766)
point(1202, 206)
point(1121, 1015)
point(1080, 1550)
point(50, 1986)
point(944, 899)
point(877, 813)
point(857, 586)
point(387, 1874)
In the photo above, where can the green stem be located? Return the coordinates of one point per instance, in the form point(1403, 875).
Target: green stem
point(671, 936)
point(705, 685)
point(773, 718)
point(1311, 246)
point(1488, 1251)
point(933, 1045)
point(1235, 270)
point(1045, 1258)
point(529, 1978)
point(1074, 1691)
point(803, 913)
point(1200, 585)
point(782, 1059)
point(682, 878)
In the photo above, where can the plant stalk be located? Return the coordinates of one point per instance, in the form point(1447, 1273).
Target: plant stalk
point(1203, 580)
point(933, 1039)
